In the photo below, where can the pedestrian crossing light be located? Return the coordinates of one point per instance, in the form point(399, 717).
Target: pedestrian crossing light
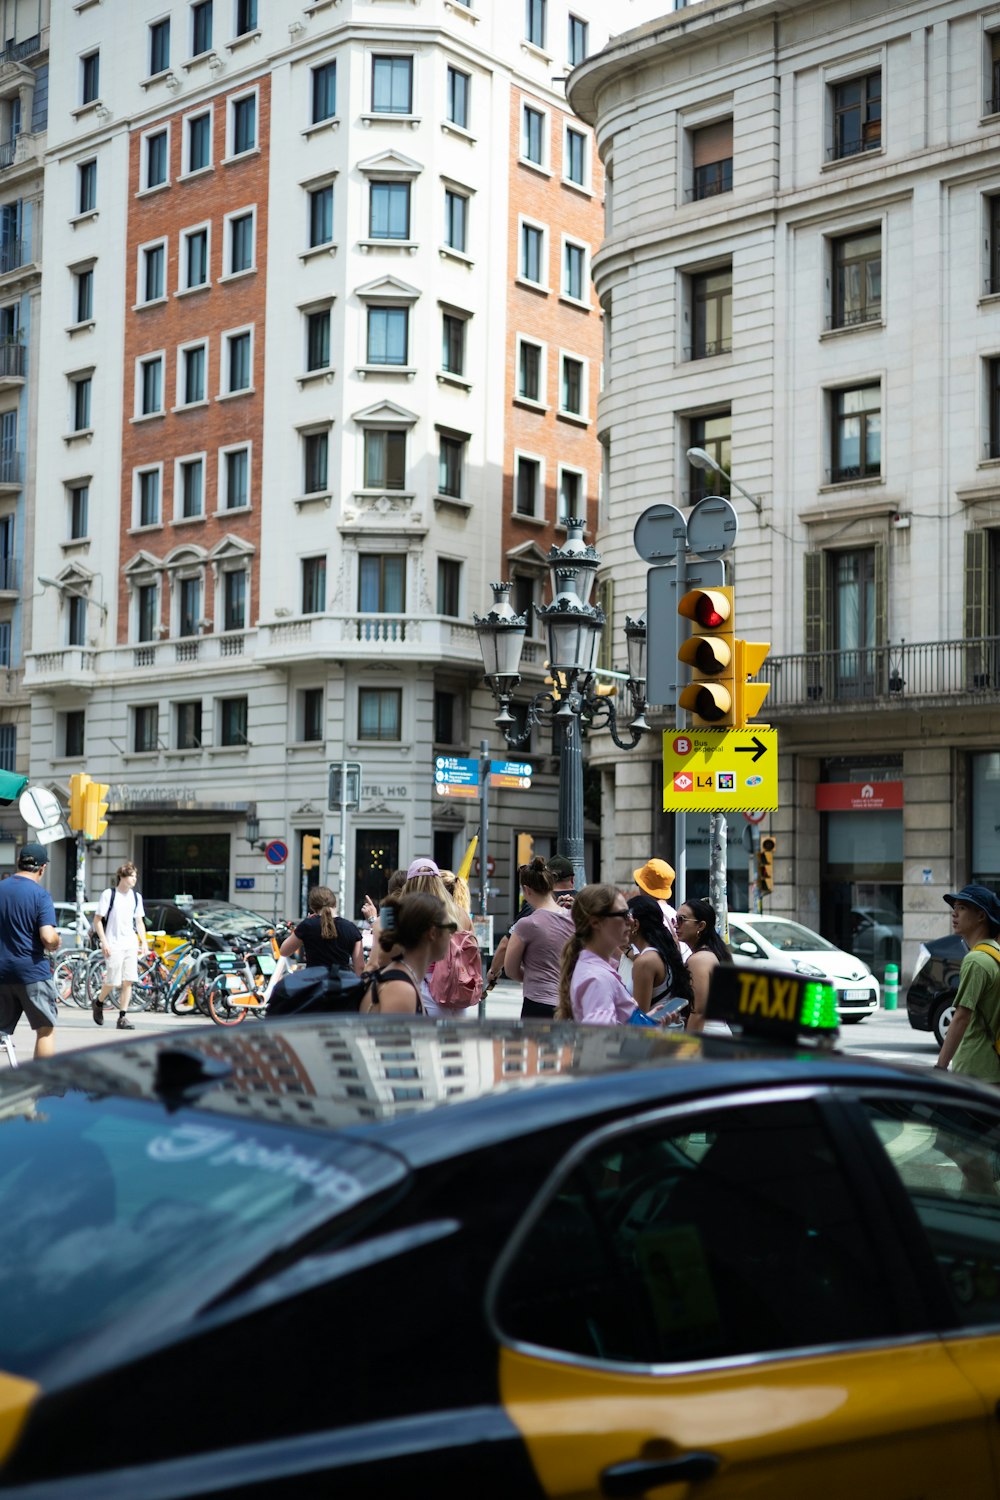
point(95, 808)
point(78, 785)
point(710, 652)
point(310, 851)
point(765, 864)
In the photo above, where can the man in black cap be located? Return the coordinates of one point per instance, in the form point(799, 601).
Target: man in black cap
point(970, 1043)
point(27, 935)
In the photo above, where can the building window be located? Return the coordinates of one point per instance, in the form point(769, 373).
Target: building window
point(857, 116)
point(459, 84)
point(76, 617)
point(854, 615)
point(453, 344)
point(571, 386)
point(189, 602)
point(192, 488)
point(146, 729)
point(712, 313)
point(199, 142)
point(244, 124)
point(380, 713)
point(714, 434)
point(74, 732)
point(318, 340)
point(153, 273)
point(81, 403)
point(857, 279)
point(451, 464)
point(159, 46)
point(712, 159)
point(388, 335)
point(574, 271)
point(313, 585)
point(575, 158)
point(246, 16)
point(8, 556)
point(201, 28)
point(86, 176)
point(382, 583)
point(534, 22)
point(195, 257)
point(234, 600)
point(389, 211)
point(84, 299)
point(8, 747)
point(188, 719)
point(241, 243)
point(151, 386)
point(316, 450)
point(444, 714)
point(527, 490)
point(79, 507)
point(532, 253)
point(324, 92)
point(238, 362)
point(90, 77)
point(149, 497)
point(993, 377)
point(156, 158)
point(456, 218)
point(5, 661)
point(148, 612)
point(570, 495)
point(392, 85)
point(578, 38)
point(194, 374)
point(321, 216)
point(312, 714)
point(385, 459)
point(533, 136)
point(236, 471)
point(529, 371)
point(449, 589)
point(856, 433)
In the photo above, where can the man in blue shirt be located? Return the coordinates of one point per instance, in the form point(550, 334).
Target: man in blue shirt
point(27, 936)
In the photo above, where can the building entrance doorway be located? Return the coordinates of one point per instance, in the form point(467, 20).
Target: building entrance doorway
point(192, 864)
point(376, 855)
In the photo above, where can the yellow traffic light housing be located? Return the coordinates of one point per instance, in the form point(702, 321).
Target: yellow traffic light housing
point(95, 807)
point(750, 657)
point(765, 864)
point(310, 851)
point(710, 652)
point(525, 849)
point(78, 785)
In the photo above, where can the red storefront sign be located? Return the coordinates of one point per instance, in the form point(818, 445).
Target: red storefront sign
point(858, 796)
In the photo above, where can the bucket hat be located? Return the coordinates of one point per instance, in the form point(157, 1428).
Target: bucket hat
point(656, 878)
point(978, 895)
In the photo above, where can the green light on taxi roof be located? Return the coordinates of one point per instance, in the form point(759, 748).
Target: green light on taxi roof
point(818, 1007)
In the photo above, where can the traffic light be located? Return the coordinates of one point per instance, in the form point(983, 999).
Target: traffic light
point(78, 785)
point(310, 851)
point(765, 864)
point(95, 807)
point(750, 657)
point(710, 652)
point(11, 787)
point(525, 849)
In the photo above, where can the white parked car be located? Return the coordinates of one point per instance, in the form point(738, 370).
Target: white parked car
point(66, 920)
point(776, 940)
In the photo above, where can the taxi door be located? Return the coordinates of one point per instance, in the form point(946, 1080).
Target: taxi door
point(698, 1305)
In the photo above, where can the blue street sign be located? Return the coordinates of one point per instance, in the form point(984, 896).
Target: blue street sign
point(244, 882)
point(276, 852)
point(456, 770)
point(510, 774)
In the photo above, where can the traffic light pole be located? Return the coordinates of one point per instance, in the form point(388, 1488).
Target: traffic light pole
point(680, 722)
point(81, 887)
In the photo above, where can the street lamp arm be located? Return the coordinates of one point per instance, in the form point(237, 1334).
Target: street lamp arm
point(603, 716)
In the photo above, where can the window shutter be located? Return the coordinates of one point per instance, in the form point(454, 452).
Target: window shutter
point(881, 576)
point(606, 601)
point(815, 602)
point(977, 580)
point(712, 143)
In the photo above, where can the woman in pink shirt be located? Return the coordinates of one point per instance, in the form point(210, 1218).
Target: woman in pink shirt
point(536, 943)
point(589, 986)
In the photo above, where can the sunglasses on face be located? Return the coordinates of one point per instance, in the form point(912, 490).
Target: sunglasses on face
point(446, 926)
point(615, 911)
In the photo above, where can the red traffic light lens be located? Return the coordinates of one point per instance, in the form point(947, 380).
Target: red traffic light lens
point(707, 614)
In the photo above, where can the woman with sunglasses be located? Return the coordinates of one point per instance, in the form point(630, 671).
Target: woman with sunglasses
point(696, 927)
point(660, 979)
point(589, 986)
point(415, 932)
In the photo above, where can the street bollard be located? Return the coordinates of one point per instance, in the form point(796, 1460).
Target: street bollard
point(890, 987)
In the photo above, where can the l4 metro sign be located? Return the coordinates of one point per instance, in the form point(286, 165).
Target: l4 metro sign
point(720, 770)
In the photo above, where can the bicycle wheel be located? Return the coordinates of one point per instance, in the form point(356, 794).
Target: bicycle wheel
point(182, 1001)
point(147, 989)
point(65, 979)
point(221, 1007)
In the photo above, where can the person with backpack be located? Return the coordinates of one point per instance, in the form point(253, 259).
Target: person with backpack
point(121, 933)
point(326, 938)
point(415, 930)
point(970, 1043)
point(454, 981)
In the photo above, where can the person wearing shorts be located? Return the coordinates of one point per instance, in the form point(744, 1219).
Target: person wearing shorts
point(118, 923)
point(27, 936)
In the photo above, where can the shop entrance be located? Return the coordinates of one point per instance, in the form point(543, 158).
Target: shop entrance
point(376, 855)
point(861, 896)
point(193, 864)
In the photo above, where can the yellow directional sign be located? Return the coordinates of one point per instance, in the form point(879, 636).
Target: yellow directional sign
point(720, 770)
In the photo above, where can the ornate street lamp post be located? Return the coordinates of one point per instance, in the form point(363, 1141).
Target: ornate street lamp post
point(573, 626)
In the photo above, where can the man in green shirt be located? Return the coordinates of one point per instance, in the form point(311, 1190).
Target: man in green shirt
point(969, 1044)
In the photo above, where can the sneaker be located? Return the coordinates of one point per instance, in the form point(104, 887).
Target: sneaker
point(124, 1024)
point(97, 1011)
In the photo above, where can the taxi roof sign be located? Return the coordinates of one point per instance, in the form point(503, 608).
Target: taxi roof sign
point(776, 1003)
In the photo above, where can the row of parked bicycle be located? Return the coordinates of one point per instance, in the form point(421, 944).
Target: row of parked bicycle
point(224, 977)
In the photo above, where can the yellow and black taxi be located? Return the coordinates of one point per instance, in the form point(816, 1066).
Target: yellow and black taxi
point(367, 1258)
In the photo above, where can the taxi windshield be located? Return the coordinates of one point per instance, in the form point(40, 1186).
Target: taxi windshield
point(108, 1205)
point(791, 937)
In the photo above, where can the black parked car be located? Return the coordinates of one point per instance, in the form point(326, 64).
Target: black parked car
point(930, 999)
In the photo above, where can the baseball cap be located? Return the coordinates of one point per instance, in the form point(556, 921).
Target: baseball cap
point(32, 857)
point(981, 896)
point(560, 867)
point(422, 867)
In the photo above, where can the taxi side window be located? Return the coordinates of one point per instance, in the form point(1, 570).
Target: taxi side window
point(948, 1159)
point(741, 942)
point(732, 1233)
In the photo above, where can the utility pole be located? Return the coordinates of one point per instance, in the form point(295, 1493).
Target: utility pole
point(484, 826)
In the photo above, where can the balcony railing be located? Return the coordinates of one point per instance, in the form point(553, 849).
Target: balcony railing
point(13, 254)
point(886, 675)
point(709, 347)
point(11, 359)
point(870, 141)
point(9, 573)
point(11, 466)
point(18, 50)
point(855, 316)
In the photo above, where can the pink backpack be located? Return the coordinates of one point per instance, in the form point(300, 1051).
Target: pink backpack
point(457, 979)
